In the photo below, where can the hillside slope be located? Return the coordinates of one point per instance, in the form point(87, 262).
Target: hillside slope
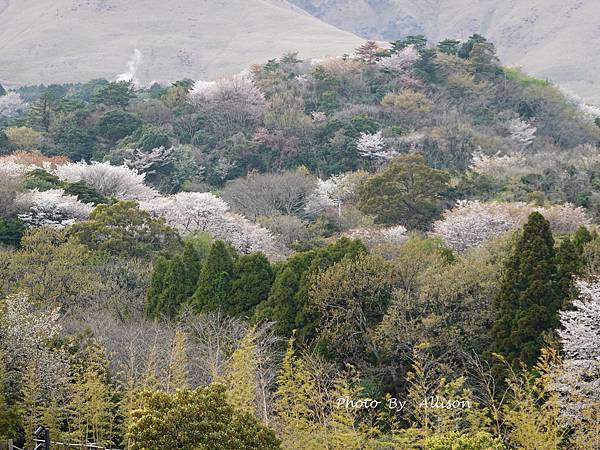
point(553, 39)
point(75, 40)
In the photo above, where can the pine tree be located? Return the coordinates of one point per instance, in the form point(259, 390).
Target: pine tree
point(241, 379)
point(178, 366)
point(251, 285)
point(214, 284)
point(529, 296)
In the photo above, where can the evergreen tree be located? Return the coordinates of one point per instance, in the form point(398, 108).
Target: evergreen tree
point(214, 284)
point(157, 286)
point(251, 285)
point(581, 237)
point(530, 296)
point(180, 282)
point(288, 303)
point(568, 263)
point(2, 91)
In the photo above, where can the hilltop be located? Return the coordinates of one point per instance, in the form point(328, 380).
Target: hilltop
point(549, 38)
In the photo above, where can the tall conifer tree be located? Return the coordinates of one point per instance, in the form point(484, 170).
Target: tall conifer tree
point(214, 284)
point(530, 294)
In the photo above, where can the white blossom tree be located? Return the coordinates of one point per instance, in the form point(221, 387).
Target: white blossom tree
point(579, 380)
point(25, 332)
point(374, 236)
point(372, 146)
point(331, 193)
point(521, 133)
point(499, 166)
point(149, 163)
point(400, 61)
point(12, 105)
point(52, 207)
point(470, 223)
point(230, 103)
point(194, 211)
point(112, 181)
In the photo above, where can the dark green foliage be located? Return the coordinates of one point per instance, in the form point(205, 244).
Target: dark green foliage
point(41, 180)
point(408, 192)
point(530, 294)
point(157, 286)
point(5, 144)
point(569, 262)
point(288, 303)
point(449, 46)
point(85, 193)
point(11, 231)
point(124, 229)
point(117, 124)
point(251, 285)
point(118, 93)
point(2, 91)
point(582, 236)
point(215, 281)
point(179, 282)
point(75, 141)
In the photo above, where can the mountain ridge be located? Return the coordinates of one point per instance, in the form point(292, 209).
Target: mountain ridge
point(77, 40)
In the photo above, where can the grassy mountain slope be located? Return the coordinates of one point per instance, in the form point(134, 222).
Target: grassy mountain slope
point(74, 40)
point(553, 39)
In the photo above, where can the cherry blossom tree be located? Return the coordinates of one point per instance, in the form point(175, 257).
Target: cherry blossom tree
point(500, 166)
point(522, 134)
point(400, 61)
point(331, 193)
point(372, 146)
point(374, 236)
point(470, 223)
point(230, 103)
point(25, 332)
point(579, 380)
point(112, 181)
point(12, 105)
point(51, 207)
point(194, 211)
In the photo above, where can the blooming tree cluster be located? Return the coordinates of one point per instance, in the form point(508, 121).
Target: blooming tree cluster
point(400, 61)
point(230, 101)
point(12, 105)
point(195, 211)
point(522, 134)
point(112, 181)
point(499, 166)
point(51, 207)
point(579, 381)
point(150, 163)
point(331, 193)
point(25, 333)
point(470, 223)
point(372, 146)
point(374, 236)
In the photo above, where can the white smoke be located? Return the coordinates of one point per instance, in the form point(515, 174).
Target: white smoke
point(132, 67)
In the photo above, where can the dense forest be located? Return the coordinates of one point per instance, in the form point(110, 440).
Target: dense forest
point(394, 249)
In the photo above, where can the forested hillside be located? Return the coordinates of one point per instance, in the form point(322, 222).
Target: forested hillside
point(391, 250)
point(543, 36)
